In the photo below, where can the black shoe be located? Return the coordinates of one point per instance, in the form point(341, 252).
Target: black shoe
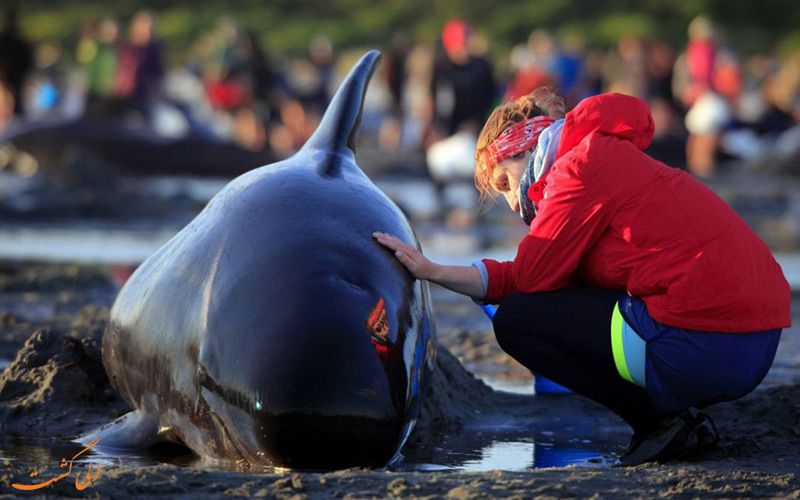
point(682, 436)
point(707, 435)
point(674, 436)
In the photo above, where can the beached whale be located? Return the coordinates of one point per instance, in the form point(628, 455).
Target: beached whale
point(273, 329)
point(125, 137)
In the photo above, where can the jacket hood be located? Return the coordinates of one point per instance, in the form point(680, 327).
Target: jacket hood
point(619, 115)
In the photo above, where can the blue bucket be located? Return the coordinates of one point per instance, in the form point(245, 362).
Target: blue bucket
point(546, 387)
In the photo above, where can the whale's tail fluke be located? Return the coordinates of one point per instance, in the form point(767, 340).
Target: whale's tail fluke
point(337, 129)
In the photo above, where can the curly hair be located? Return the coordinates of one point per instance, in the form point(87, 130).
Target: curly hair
point(542, 101)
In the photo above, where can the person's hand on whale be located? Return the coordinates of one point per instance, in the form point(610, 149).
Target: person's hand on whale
point(416, 263)
point(465, 280)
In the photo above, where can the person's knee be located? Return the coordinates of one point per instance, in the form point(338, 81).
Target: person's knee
point(507, 319)
point(502, 315)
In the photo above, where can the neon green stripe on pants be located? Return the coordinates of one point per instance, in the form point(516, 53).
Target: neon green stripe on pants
point(616, 344)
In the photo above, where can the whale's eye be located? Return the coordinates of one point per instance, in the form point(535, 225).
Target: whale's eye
point(378, 323)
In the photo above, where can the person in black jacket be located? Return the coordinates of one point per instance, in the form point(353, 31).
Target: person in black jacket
point(16, 58)
point(463, 87)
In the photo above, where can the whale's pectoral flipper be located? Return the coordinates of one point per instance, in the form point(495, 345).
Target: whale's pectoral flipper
point(134, 430)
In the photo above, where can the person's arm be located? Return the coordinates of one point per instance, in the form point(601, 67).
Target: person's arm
point(465, 280)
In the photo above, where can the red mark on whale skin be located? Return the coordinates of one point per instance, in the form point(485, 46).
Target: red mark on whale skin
point(378, 324)
point(389, 352)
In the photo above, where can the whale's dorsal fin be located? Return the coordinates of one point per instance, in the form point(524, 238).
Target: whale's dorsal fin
point(338, 127)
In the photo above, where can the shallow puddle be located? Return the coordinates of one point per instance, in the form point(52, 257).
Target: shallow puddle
point(488, 450)
point(483, 451)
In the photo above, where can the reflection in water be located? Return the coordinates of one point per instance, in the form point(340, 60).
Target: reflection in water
point(47, 451)
point(511, 456)
point(545, 456)
point(521, 455)
point(73, 461)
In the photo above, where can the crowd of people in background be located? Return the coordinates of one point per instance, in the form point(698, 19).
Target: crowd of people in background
point(709, 102)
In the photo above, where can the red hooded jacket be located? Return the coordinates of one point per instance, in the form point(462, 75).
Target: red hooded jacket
point(615, 218)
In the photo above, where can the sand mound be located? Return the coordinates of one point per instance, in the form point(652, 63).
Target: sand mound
point(55, 387)
point(454, 395)
point(765, 424)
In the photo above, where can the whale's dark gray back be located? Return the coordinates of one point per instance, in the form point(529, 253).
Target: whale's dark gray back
point(273, 328)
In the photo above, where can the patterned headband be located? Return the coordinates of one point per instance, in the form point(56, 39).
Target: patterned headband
point(518, 138)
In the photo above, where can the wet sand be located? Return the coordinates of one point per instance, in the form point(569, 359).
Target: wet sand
point(51, 323)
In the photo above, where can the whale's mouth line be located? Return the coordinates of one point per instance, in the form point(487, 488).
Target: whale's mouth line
point(230, 438)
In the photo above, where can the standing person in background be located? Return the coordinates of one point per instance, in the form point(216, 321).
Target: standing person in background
point(709, 113)
point(101, 68)
point(253, 64)
point(390, 135)
point(140, 66)
point(566, 66)
point(636, 286)
point(529, 72)
point(396, 75)
point(593, 78)
point(321, 54)
point(701, 52)
point(660, 66)
point(627, 67)
point(462, 87)
point(462, 91)
point(6, 108)
point(16, 58)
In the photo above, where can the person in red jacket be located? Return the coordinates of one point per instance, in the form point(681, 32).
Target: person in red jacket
point(636, 286)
